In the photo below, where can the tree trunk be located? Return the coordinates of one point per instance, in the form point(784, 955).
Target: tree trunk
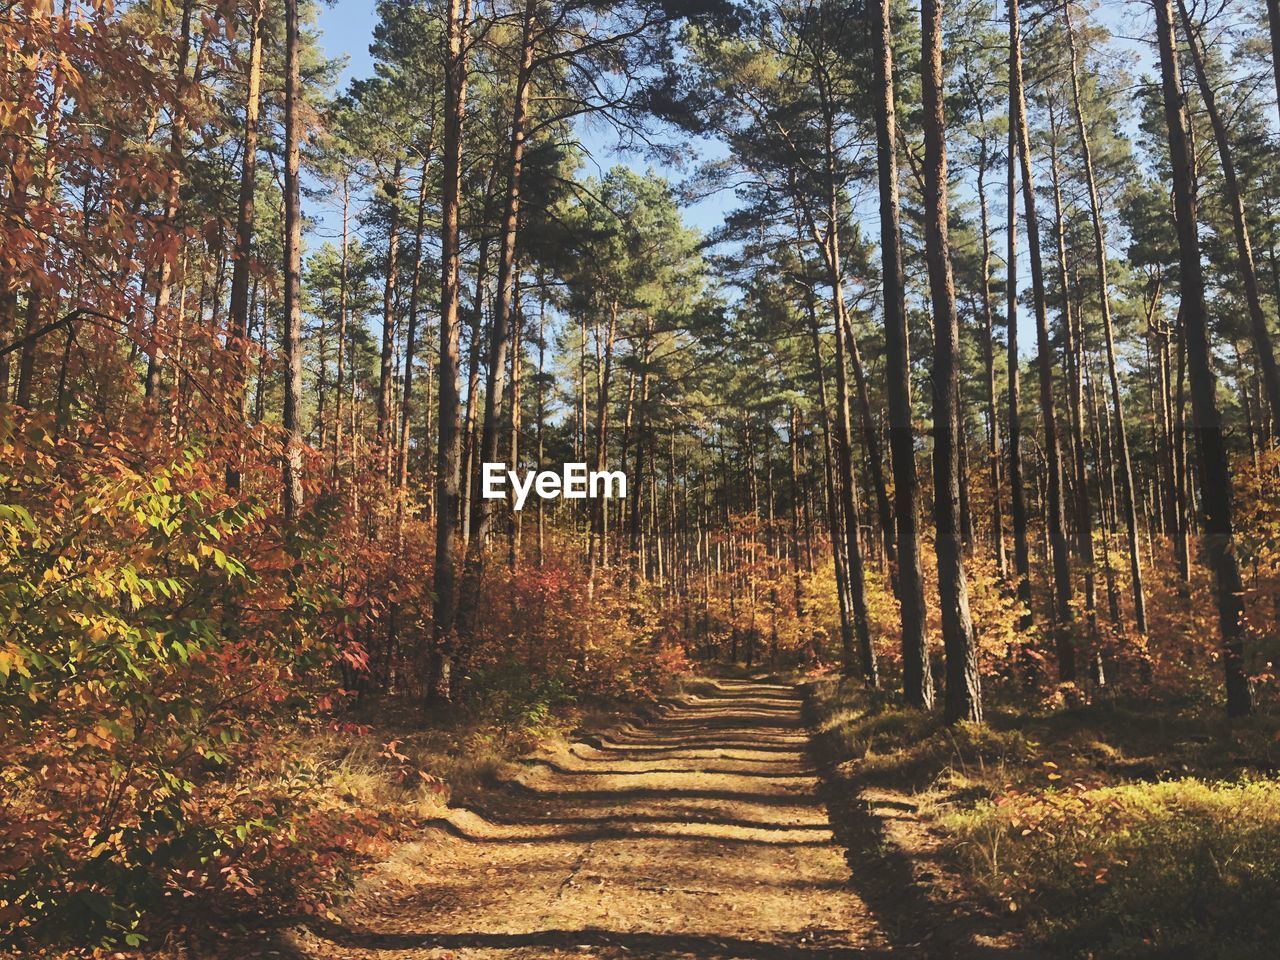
point(1073, 322)
point(963, 700)
point(1108, 335)
point(1062, 587)
point(386, 366)
point(238, 328)
point(470, 439)
point(499, 333)
point(1215, 472)
point(642, 420)
point(875, 458)
point(440, 681)
point(1273, 19)
point(542, 405)
point(844, 462)
point(342, 328)
point(173, 193)
point(1234, 196)
point(1017, 492)
point(828, 243)
point(597, 548)
point(839, 547)
point(411, 333)
point(292, 414)
point(989, 362)
point(1181, 465)
point(917, 679)
point(36, 306)
point(514, 414)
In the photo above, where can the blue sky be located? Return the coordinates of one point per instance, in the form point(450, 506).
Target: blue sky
point(346, 31)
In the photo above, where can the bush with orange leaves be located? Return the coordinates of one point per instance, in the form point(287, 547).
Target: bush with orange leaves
point(159, 633)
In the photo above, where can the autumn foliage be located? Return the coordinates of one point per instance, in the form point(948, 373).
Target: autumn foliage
point(164, 639)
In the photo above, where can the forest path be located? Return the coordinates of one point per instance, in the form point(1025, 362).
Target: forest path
point(698, 834)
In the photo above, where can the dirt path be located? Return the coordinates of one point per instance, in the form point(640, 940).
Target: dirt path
point(696, 835)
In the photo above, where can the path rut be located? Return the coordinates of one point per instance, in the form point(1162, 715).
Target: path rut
point(697, 834)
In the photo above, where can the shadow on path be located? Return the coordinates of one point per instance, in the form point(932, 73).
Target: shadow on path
point(709, 843)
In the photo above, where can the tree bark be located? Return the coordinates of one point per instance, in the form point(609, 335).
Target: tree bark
point(541, 406)
point(1108, 335)
point(988, 355)
point(1062, 586)
point(1215, 473)
point(597, 552)
point(828, 242)
point(440, 681)
point(1073, 322)
point(238, 327)
point(917, 679)
point(844, 462)
point(963, 700)
point(1017, 491)
point(386, 366)
point(1245, 264)
point(36, 305)
point(839, 547)
point(411, 333)
point(500, 331)
point(875, 458)
point(1273, 19)
point(173, 192)
point(342, 328)
point(292, 413)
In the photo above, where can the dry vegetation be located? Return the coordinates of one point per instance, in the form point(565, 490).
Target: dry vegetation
point(1120, 828)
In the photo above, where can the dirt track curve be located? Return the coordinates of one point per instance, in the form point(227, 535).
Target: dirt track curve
point(696, 835)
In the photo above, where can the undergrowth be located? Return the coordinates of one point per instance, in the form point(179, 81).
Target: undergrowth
point(1110, 830)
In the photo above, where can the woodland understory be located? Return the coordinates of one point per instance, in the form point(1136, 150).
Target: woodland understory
point(965, 412)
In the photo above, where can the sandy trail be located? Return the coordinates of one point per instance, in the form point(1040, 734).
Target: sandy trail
point(696, 835)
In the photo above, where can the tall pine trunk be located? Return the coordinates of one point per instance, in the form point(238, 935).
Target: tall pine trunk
point(1017, 487)
point(1273, 20)
point(989, 355)
point(342, 328)
point(292, 413)
point(1215, 472)
point(1124, 461)
point(963, 699)
point(1262, 345)
point(411, 332)
point(173, 196)
point(844, 462)
point(499, 334)
point(440, 681)
point(238, 327)
point(870, 438)
point(386, 368)
point(839, 547)
point(1062, 586)
point(917, 680)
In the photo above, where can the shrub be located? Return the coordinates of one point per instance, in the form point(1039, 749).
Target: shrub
point(149, 646)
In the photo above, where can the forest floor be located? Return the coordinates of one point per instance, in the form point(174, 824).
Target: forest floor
point(697, 832)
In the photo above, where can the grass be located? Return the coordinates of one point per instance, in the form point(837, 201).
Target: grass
point(1182, 867)
point(1109, 830)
